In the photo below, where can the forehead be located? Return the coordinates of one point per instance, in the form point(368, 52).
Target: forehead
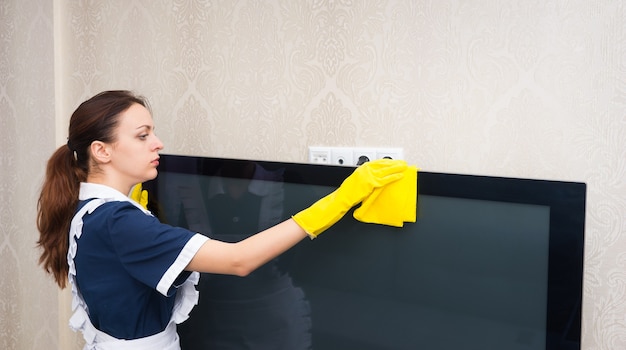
point(135, 116)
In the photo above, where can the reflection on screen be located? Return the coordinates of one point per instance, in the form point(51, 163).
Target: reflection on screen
point(470, 274)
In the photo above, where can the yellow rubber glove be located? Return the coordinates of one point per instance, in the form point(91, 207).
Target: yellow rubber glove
point(139, 195)
point(354, 189)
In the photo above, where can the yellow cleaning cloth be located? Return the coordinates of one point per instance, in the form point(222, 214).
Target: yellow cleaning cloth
point(392, 204)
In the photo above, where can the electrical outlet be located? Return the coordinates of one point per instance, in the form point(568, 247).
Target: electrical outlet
point(319, 155)
point(362, 155)
point(389, 153)
point(341, 156)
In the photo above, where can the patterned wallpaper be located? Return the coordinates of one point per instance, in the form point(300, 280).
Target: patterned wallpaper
point(510, 88)
point(28, 300)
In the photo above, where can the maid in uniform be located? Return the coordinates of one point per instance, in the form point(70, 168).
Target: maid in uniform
point(132, 277)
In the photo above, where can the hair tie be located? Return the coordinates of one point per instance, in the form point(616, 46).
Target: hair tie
point(69, 145)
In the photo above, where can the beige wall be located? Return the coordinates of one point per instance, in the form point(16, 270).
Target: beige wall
point(28, 301)
point(513, 88)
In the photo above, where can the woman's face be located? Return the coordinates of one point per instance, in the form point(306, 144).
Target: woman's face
point(135, 154)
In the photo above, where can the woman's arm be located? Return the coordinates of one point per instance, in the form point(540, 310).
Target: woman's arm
point(243, 257)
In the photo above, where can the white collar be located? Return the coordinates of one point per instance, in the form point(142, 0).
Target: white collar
point(90, 190)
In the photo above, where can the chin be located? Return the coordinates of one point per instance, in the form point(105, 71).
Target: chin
point(150, 176)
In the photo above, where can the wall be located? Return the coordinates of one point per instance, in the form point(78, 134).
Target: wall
point(511, 88)
point(28, 301)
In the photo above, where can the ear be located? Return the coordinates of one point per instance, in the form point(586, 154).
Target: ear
point(100, 152)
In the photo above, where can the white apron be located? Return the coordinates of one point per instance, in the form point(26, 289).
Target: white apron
point(186, 299)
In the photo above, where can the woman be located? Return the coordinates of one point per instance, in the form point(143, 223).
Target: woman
point(133, 277)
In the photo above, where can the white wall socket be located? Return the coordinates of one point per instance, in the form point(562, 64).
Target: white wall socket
point(341, 156)
point(393, 153)
point(351, 156)
point(362, 155)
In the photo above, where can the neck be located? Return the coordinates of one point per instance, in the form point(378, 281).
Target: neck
point(103, 180)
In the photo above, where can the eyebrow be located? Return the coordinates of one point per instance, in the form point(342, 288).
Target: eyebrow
point(146, 126)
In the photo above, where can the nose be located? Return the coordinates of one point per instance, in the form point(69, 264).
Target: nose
point(158, 145)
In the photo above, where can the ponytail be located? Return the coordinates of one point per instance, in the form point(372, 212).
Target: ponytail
point(55, 209)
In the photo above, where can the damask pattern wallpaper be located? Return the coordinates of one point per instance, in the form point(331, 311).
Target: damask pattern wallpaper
point(509, 88)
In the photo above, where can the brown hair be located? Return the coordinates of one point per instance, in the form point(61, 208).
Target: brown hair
point(94, 120)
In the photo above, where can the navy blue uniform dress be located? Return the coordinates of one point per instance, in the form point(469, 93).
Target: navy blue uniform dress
point(128, 266)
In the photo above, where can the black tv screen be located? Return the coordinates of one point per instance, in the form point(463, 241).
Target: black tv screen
point(490, 263)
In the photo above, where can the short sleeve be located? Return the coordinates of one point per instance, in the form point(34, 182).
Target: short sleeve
point(150, 251)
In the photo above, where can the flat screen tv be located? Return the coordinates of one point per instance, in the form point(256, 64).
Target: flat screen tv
point(490, 263)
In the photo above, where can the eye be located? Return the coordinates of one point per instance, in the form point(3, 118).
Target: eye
point(143, 136)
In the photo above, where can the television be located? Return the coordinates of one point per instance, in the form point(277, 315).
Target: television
point(490, 263)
